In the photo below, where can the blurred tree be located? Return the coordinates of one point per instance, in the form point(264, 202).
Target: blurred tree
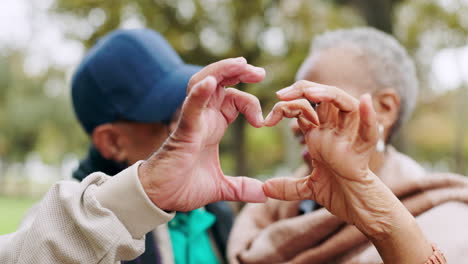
point(377, 13)
point(263, 31)
point(34, 114)
point(425, 27)
point(35, 111)
point(35, 117)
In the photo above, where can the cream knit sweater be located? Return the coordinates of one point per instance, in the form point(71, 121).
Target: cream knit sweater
point(100, 220)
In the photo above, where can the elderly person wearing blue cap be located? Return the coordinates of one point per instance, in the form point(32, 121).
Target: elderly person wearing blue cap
point(126, 94)
point(104, 219)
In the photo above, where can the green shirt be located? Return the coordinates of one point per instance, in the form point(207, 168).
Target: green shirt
point(189, 237)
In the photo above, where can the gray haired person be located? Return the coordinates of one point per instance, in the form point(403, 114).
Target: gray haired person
point(358, 61)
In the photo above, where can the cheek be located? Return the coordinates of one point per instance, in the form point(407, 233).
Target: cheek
point(142, 146)
point(151, 143)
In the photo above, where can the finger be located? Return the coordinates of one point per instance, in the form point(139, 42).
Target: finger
point(339, 98)
point(220, 70)
point(337, 108)
point(195, 102)
point(250, 74)
point(368, 121)
point(242, 189)
point(289, 189)
point(319, 93)
point(231, 71)
point(296, 90)
point(301, 109)
point(237, 101)
point(328, 115)
point(347, 122)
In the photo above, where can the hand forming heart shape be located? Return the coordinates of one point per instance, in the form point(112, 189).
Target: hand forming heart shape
point(185, 172)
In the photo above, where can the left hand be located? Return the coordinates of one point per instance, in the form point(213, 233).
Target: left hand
point(340, 136)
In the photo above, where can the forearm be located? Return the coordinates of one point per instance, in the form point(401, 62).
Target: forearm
point(246, 228)
point(391, 227)
point(405, 243)
point(380, 215)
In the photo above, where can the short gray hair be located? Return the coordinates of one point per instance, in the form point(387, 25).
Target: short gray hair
point(388, 61)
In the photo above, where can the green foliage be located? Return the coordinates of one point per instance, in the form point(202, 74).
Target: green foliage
point(32, 120)
point(274, 34)
point(265, 32)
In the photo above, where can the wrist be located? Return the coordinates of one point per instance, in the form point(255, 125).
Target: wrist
point(381, 212)
point(392, 229)
point(392, 226)
point(150, 183)
point(136, 211)
point(404, 243)
point(156, 174)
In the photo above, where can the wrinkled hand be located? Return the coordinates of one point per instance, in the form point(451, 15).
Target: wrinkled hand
point(185, 173)
point(341, 136)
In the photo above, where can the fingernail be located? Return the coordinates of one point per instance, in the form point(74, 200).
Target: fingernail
point(284, 91)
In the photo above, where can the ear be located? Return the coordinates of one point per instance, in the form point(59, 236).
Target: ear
point(387, 106)
point(108, 140)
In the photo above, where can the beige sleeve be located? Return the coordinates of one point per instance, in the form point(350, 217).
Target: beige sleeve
point(100, 220)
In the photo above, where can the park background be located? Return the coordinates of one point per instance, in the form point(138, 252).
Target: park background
point(42, 41)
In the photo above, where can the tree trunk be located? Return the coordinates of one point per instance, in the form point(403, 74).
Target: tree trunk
point(238, 143)
point(460, 130)
point(378, 13)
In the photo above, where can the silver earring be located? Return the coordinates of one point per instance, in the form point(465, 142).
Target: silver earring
point(380, 144)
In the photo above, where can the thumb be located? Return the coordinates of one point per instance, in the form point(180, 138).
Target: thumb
point(242, 189)
point(289, 189)
point(195, 103)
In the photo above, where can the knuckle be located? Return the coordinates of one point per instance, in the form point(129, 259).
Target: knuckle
point(301, 84)
point(303, 102)
point(333, 88)
point(252, 98)
point(255, 100)
point(277, 108)
point(280, 104)
point(192, 81)
point(231, 90)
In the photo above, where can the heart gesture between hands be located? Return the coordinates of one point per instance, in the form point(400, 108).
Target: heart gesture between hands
point(341, 136)
point(185, 173)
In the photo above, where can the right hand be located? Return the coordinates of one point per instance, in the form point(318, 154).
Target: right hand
point(341, 137)
point(185, 173)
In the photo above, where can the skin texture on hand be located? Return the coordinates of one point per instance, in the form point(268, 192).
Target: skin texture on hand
point(185, 173)
point(340, 143)
point(341, 136)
